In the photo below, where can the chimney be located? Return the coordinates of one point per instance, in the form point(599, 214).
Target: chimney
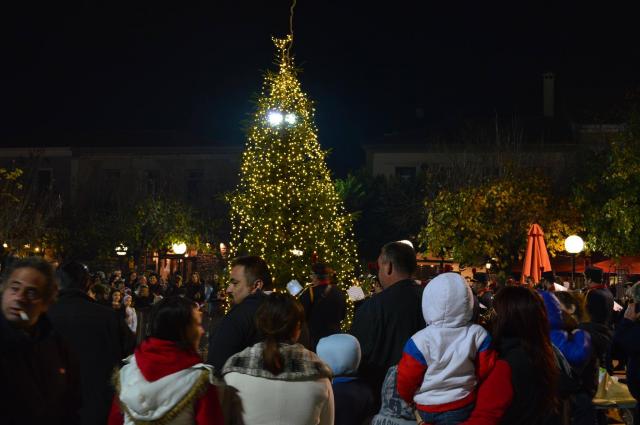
point(548, 92)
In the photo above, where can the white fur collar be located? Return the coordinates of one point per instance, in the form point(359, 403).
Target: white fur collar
point(150, 401)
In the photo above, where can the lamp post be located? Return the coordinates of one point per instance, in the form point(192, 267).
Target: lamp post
point(121, 250)
point(573, 245)
point(179, 248)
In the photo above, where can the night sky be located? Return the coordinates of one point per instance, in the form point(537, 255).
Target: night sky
point(193, 67)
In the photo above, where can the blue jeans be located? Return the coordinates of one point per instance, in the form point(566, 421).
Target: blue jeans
point(452, 417)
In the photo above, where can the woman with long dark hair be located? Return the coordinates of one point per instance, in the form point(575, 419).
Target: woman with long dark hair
point(278, 380)
point(165, 381)
point(523, 386)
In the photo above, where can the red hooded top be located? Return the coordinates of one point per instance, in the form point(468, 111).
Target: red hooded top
point(157, 358)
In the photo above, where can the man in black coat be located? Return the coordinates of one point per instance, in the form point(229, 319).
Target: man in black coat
point(237, 330)
point(385, 322)
point(96, 336)
point(599, 298)
point(40, 379)
point(325, 304)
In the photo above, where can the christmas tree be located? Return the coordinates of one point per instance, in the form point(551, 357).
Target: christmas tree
point(286, 208)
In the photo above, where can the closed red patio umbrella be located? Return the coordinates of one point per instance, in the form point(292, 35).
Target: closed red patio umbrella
point(536, 258)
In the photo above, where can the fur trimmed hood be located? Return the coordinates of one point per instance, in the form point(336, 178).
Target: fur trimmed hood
point(160, 381)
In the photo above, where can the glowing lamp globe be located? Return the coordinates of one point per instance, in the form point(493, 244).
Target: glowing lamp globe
point(290, 118)
point(275, 118)
point(179, 248)
point(574, 244)
point(406, 242)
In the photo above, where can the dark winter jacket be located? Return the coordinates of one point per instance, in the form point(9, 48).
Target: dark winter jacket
point(175, 291)
point(601, 341)
point(353, 400)
point(195, 292)
point(40, 381)
point(236, 331)
point(96, 335)
point(325, 307)
point(627, 338)
point(599, 305)
point(383, 324)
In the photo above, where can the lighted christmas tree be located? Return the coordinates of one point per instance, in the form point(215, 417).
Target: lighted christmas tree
point(286, 208)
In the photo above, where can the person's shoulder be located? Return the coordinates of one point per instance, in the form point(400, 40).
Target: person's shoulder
point(371, 303)
point(251, 303)
point(404, 290)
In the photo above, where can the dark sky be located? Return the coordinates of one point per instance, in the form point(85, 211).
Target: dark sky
point(192, 67)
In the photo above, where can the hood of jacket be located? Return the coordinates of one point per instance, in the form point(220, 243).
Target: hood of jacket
point(447, 301)
point(158, 358)
point(341, 352)
point(554, 311)
point(161, 379)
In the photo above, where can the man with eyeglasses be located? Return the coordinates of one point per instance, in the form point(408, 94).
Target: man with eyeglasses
point(40, 378)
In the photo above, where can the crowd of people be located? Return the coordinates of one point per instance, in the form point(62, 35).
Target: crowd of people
point(447, 351)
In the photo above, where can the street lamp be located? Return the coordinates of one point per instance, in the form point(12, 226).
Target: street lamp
point(573, 245)
point(121, 250)
point(406, 242)
point(179, 248)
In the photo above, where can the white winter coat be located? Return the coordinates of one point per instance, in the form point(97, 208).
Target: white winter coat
point(449, 344)
point(277, 402)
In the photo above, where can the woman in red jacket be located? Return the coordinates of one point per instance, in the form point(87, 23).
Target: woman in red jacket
point(523, 386)
point(165, 380)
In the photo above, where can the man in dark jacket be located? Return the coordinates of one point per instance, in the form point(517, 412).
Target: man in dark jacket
point(95, 334)
point(599, 299)
point(40, 382)
point(385, 322)
point(325, 304)
point(237, 330)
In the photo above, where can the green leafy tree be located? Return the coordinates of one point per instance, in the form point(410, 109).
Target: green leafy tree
point(160, 222)
point(152, 224)
point(286, 208)
point(491, 220)
point(27, 211)
point(609, 195)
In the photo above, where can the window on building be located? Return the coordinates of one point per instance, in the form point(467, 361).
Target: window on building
point(194, 185)
point(112, 178)
point(406, 172)
point(151, 183)
point(109, 193)
point(44, 180)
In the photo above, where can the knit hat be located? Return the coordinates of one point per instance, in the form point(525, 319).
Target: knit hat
point(594, 274)
point(341, 352)
point(394, 410)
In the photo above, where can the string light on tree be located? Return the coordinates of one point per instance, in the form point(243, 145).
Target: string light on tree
point(275, 118)
point(286, 203)
point(290, 119)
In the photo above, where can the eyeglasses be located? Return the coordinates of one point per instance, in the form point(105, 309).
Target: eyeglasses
point(30, 293)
